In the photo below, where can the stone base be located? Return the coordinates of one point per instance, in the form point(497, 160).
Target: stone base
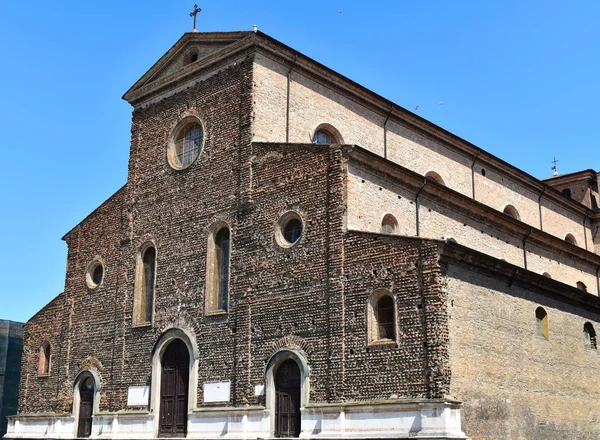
point(422, 419)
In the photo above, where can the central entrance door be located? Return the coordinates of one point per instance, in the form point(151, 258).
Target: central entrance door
point(287, 400)
point(174, 390)
point(86, 407)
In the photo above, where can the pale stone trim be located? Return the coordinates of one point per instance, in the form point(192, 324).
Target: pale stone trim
point(211, 290)
point(273, 364)
point(89, 270)
point(175, 133)
point(373, 323)
point(281, 222)
point(330, 130)
point(77, 399)
point(139, 296)
point(189, 339)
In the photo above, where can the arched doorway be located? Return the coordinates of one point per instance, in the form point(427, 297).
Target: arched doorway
point(174, 390)
point(86, 407)
point(287, 400)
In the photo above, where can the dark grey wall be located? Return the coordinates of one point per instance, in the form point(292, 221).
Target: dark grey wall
point(11, 348)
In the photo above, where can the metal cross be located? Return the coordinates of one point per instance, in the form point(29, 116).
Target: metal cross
point(554, 162)
point(194, 13)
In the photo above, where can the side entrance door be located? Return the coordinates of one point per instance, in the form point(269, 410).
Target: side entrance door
point(287, 400)
point(86, 407)
point(174, 390)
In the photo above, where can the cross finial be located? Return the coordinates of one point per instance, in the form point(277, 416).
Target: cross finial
point(554, 168)
point(193, 14)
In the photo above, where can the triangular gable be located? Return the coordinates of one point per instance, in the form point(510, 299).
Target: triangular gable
point(190, 48)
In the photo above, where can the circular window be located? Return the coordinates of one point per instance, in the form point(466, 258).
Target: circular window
point(289, 229)
point(186, 143)
point(94, 274)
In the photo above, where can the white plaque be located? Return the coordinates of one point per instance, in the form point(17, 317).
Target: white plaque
point(216, 391)
point(259, 390)
point(138, 396)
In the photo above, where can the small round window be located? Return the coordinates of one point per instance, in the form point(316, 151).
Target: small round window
point(186, 144)
point(94, 274)
point(289, 229)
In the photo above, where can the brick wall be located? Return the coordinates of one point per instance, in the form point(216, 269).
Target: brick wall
point(371, 195)
point(514, 383)
point(312, 103)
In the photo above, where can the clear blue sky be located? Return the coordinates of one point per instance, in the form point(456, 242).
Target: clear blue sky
point(518, 78)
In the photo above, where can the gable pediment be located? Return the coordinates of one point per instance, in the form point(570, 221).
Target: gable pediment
point(185, 55)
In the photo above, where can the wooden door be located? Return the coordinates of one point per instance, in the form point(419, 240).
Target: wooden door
point(86, 407)
point(174, 390)
point(287, 400)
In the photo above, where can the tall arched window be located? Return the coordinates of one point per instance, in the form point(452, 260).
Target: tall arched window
point(566, 192)
point(511, 211)
point(217, 270)
point(541, 318)
point(381, 318)
point(432, 175)
point(581, 286)
point(44, 360)
point(389, 224)
point(570, 238)
point(145, 282)
point(589, 336)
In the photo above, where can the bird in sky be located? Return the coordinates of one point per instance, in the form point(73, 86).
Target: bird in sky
point(340, 11)
point(440, 103)
point(416, 107)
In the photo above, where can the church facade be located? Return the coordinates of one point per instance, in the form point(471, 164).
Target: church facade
point(293, 255)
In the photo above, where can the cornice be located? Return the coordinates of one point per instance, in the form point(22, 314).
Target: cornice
point(145, 86)
point(514, 275)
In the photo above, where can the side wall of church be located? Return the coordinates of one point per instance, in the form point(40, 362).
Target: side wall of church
point(371, 196)
point(312, 103)
point(516, 384)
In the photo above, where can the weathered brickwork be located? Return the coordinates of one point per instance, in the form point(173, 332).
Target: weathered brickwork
point(514, 383)
point(417, 366)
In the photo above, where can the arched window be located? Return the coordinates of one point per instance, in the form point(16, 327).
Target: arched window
point(547, 275)
point(432, 175)
point(581, 286)
point(570, 238)
point(381, 318)
point(322, 137)
point(511, 211)
point(145, 282)
point(541, 318)
point(326, 134)
point(389, 224)
point(566, 192)
point(44, 361)
point(217, 266)
point(385, 318)
point(589, 336)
